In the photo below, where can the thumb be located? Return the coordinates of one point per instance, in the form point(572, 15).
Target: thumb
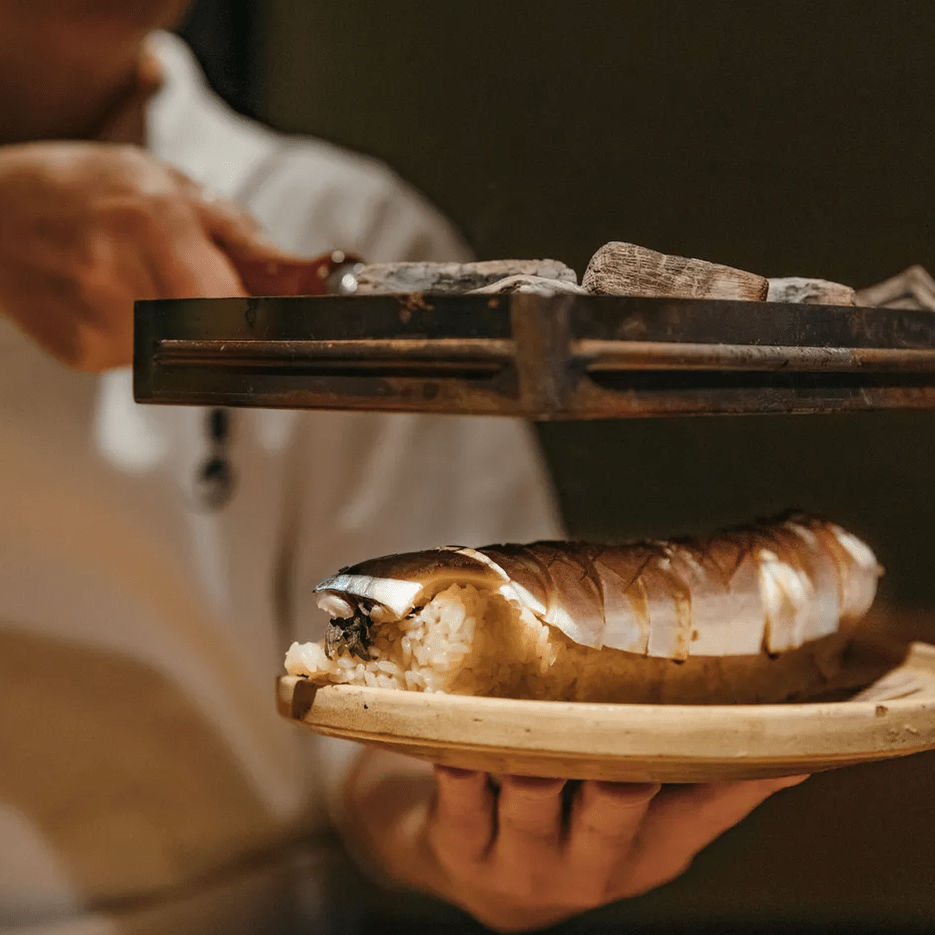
point(263, 267)
point(232, 228)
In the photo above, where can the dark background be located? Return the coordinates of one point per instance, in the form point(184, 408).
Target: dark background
point(787, 139)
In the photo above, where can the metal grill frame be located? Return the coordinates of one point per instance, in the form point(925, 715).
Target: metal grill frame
point(539, 357)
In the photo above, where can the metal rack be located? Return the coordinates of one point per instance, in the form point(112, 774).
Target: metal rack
point(556, 357)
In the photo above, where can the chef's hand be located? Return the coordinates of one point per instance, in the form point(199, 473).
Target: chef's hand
point(519, 857)
point(88, 228)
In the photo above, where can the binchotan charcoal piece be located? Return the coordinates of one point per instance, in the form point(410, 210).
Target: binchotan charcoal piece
point(453, 278)
point(536, 285)
point(626, 269)
point(795, 289)
point(913, 288)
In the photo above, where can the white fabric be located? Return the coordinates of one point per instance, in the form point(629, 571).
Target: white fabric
point(147, 631)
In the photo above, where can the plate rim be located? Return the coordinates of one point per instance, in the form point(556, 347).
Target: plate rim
point(711, 711)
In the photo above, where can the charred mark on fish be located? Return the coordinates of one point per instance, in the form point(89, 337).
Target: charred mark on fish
point(350, 633)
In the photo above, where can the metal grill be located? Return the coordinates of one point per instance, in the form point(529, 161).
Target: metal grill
point(558, 357)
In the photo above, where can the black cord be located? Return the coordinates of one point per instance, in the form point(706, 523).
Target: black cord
point(215, 478)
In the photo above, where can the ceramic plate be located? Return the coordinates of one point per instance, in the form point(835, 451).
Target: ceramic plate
point(631, 743)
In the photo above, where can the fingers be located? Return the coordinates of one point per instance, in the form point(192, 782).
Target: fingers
point(605, 820)
point(683, 821)
point(184, 261)
point(515, 860)
point(196, 268)
point(231, 227)
point(463, 820)
point(103, 335)
point(529, 827)
point(263, 268)
point(224, 221)
point(94, 227)
point(165, 255)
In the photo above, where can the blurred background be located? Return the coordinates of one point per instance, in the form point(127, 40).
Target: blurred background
point(786, 139)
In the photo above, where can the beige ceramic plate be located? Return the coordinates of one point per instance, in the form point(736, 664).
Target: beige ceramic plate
point(631, 743)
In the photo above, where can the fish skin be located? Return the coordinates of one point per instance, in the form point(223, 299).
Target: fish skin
point(771, 587)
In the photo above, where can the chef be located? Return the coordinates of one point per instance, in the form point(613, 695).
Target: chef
point(146, 596)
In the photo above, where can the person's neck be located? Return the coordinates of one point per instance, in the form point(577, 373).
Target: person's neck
point(74, 103)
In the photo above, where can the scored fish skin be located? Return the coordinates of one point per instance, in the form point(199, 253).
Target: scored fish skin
point(720, 596)
point(627, 624)
point(575, 605)
point(787, 587)
point(783, 595)
point(670, 608)
point(735, 556)
point(529, 583)
point(859, 586)
point(768, 587)
point(822, 610)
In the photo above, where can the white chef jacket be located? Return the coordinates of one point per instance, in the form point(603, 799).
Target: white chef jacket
point(146, 782)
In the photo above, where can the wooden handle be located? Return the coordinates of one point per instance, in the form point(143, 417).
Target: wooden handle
point(292, 277)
